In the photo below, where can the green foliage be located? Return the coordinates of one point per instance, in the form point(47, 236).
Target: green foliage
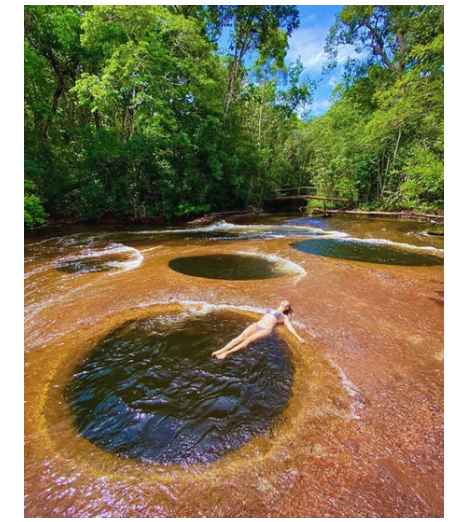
point(334, 165)
point(261, 29)
point(34, 213)
point(382, 140)
point(130, 110)
point(187, 209)
point(424, 177)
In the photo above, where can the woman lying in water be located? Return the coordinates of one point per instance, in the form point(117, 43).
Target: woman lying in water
point(262, 328)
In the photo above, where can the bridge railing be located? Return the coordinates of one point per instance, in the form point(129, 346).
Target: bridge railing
point(300, 191)
point(305, 193)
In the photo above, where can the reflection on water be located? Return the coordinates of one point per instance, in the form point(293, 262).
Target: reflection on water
point(152, 391)
point(368, 251)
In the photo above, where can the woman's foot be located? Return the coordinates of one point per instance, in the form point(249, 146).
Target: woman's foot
point(220, 354)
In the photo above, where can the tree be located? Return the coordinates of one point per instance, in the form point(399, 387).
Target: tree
point(382, 140)
point(132, 111)
point(261, 28)
point(383, 35)
point(52, 34)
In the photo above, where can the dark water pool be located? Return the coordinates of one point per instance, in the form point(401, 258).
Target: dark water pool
point(367, 251)
point(151, 390)
point(229, 266)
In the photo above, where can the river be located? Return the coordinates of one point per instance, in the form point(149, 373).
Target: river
point(127, 414)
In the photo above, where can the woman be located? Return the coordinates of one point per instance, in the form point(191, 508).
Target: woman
point(262, 328)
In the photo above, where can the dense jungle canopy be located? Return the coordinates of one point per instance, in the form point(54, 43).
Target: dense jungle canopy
point(134, 112)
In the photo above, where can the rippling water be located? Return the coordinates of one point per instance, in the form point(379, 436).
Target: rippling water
point(126, 415)
point(370, 251)
point(151, 390)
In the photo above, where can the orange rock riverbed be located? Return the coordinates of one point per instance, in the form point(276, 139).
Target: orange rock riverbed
point(363, 432)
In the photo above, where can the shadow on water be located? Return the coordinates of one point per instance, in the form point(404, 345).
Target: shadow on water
point(151, 390)
point(230, 267)
point(366, 251)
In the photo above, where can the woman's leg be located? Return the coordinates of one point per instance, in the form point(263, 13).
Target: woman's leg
point(250, 330)
point(258, 335)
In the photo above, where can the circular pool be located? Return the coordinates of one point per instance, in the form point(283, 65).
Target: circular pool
point(151, 391)
point(233, 266)
point(368, 251)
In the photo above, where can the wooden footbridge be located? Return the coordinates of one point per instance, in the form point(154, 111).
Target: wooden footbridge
point(347, 207)
point(306, 193)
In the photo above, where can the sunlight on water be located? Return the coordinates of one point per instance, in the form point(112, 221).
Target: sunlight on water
point(152, 391)
point(230, 231)
point(127, 415)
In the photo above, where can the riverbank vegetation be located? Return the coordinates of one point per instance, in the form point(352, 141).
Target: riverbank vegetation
point(136, 112)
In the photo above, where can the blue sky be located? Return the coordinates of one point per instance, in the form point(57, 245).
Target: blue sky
point(308, 43)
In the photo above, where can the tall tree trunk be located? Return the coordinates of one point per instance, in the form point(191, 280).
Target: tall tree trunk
point(252, 119)
point(401, 49)
point(259, 124)
point(235, 70)
point(128, 125)
point(57, 95)
point(384, 178)
point(396, 147)
point(379, 177)
point(230, 94)
point(97, 120)
point(129, 120)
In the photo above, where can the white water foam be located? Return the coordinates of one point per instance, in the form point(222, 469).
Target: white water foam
point(357, 404)
point(134, 262)
point(224, 226)
point(150, 249)
point(111, 249)
point(201, 307)
point(37, 270)
point(35, 243)
point(192, 308)
point(290, 265)
point(396, 244)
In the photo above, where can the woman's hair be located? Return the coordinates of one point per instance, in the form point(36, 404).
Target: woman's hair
point(288, 311)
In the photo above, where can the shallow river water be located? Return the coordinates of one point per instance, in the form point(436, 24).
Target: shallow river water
point(127, 414)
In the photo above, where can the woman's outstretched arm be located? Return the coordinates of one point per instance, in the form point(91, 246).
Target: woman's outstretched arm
point(290, 327)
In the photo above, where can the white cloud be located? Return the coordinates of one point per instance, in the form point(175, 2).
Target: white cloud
point(333, 81)
point(310, 18)
point(346, 52)
point(309, 44)
point(319, 107)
